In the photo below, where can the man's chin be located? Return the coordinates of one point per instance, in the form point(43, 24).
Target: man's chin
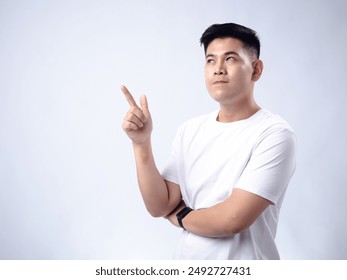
point(221, 96)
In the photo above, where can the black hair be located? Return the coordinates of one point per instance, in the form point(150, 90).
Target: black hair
point(247, 36)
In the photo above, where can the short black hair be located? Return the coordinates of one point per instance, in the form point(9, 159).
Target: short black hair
point(247, 36)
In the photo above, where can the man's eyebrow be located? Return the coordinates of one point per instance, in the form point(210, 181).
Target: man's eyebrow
point(227, 53)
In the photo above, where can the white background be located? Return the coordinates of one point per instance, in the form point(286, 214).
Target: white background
point(67, 177)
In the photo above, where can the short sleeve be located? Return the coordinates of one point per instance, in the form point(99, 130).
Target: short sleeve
point(170, 170)
point(271, 164)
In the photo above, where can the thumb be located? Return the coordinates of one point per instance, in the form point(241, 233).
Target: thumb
point(144, 105)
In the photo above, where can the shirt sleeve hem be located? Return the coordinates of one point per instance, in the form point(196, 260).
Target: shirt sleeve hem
point(274, 199)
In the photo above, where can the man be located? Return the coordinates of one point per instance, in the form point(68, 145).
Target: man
point(228, 171)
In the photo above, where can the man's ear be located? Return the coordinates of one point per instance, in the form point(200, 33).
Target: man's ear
point(257, 69)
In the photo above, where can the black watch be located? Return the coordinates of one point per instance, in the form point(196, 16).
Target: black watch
point(181, 214)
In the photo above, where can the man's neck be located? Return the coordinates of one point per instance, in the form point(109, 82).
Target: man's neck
point(236, 113)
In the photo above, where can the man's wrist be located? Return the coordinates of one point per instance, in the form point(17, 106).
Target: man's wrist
point(143, 144)
point(143, 151)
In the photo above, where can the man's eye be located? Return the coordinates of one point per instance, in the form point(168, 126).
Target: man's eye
point(230, 58)
point(209, 61)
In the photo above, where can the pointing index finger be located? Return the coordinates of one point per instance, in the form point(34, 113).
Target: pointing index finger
point(128, 96)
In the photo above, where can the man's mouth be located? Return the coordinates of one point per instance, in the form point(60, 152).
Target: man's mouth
point(220, 82)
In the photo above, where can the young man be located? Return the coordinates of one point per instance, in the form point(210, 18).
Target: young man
point(228, 171)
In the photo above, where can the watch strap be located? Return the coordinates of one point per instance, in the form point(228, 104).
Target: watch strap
point(181, 214)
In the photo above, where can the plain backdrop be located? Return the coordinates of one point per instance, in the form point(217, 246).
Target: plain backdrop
point(67, 176)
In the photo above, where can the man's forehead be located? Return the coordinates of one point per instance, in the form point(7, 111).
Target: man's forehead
point(224, 46)
point(227, 45)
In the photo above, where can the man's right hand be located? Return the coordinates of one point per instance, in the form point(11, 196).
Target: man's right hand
point(137, 123)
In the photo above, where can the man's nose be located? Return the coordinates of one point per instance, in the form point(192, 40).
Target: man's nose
point(220, 69)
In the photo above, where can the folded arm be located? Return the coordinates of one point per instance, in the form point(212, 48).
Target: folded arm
point(235, 214)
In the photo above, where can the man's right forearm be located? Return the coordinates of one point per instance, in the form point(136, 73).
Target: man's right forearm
point(153, 188)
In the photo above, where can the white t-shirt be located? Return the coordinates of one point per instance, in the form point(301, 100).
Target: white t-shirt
point(210, 158)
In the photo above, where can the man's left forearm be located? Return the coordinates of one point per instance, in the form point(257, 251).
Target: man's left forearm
point(235, 214)
point(206, 222)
